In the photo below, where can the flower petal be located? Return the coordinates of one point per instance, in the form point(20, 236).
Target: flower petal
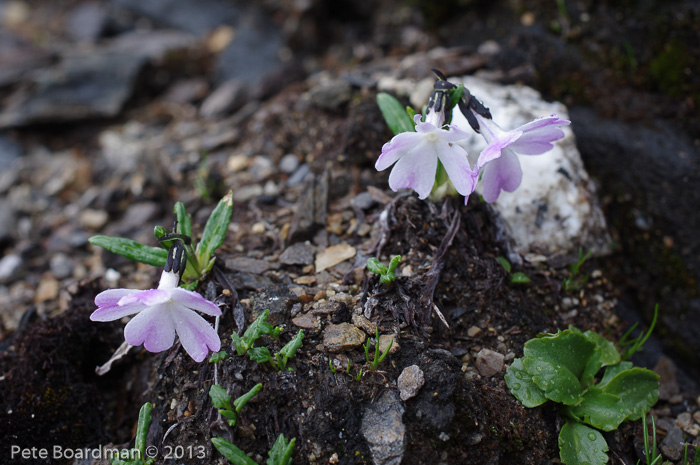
point(149, 297)
point(503, 173)
point(154, 328)
point(396, 148)
point(539, 134)
point(110, 297)
point(454, 159)
point(109, 308)
point(196, 334)
point(416, 170)
point(195, 301)
point(493, 150)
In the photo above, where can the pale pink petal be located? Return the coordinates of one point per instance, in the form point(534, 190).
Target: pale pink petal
point(503, 173)
point(153, 327)
point(196, 334)
point(149, 297)
point(195, 301)
point(396, 148)
point(493, 150)
point(416, 170)
point(538, 135)
point(110, 297)
point(454, 159)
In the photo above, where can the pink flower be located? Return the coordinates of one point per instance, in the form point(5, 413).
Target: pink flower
point(416, 155)
point(499, 160)
point(162, 313)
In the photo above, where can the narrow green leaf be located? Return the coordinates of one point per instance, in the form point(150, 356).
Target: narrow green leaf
point(231, 452)
point(522, 386)
point(257, 328)
point(556, 381)
point(281, 451)
point(637, 387)
point(387, 278)
point(239, 403)
point(600, 409)
point(142, 427)
point(612, 371)
point(184, 222)
point(375, 266)
point(519, 278)
point(259, 354)
point(290, 348)
point(215, 230)
point(230, 415)
point(394, 263)
point(219, 397)
point(504, 263)
point(581, 445)
point(568, 348)
point(394, 114)
point(131, 249)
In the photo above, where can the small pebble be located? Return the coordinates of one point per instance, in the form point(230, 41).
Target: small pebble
point(410, 381)
point(289, 163)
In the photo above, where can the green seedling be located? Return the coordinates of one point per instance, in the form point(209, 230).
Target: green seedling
point(652, 455)
point(138, 454)
point(574, 281)
point(279, 360)
point(632, 346)
point(374, 364)
point(200, 259)
point(515, 278)
point(256, 329)
point(279, 454)
point(222, 401)
point(358, 376)
point(562, 367)
point(219, 356)
point(386, 274)
point(330, 365)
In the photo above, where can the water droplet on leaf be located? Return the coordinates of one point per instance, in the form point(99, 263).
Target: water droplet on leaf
point(591, 436)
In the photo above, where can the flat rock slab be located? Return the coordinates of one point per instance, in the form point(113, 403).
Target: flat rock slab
point(555, 210)
point(384, 430)
point(94, 85)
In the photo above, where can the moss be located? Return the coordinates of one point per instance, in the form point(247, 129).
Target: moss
point(667, 69)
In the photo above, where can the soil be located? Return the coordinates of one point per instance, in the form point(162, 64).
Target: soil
point(51, 395)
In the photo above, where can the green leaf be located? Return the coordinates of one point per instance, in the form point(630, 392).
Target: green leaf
point(605, 354)
point(600, 409)
point(219, 356)
point(219, 397)
point(375, 266)
point(131, 249)
point(231, 452)
point(556, 381)
point(290, 348)
point(612, 371)
point(281, 451)
point(521, 385)
point(241, 401)
point(215, 230)
point(387, 278)
point(455, 96)
point(581, 445)
point(637, 387)
point(230, 415)
point(568, 348)
point(394, 114)
point(184, 223)
point(259, 354)
point(142, 427)
point(504, 263)
point(394, 263)
point(519, 278)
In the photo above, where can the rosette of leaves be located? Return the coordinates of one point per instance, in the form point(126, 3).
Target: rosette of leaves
point(200, 255)
point(564, 368)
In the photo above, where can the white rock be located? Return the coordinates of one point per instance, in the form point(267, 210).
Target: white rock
point(555, 209)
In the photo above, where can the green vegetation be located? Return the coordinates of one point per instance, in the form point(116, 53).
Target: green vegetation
point(139, 452)
point(279, 454)
point(386, 274)
point(515, 278)
point(222, 400)
point(377, 359)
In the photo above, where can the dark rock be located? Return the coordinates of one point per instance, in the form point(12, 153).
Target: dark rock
point(249, 265)
point(9, 152)
point(187, 90)
point(18, 58)
point(384, 430)
point(278, 299)
point(311, 207)
point(134, 218)
point(61, 266)
point(363, 201)
point(299, 175)
point(7, 221)
point(330, 95)
point(672, 445)
point(85, 86)
point(434, 405)
point(155, 45)
point(301, 253)
point(87, 22)
point(225, 99)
